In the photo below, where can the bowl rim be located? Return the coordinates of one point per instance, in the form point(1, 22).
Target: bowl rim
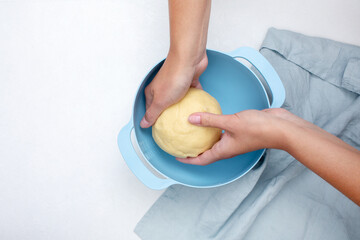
point(143, 82)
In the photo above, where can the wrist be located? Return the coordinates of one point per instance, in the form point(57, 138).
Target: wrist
point(186, 57)
point(281, 133)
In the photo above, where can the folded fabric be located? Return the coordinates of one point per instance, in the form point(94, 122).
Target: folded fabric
point(280, 199)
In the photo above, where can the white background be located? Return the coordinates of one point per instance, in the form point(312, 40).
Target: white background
point(69, 71)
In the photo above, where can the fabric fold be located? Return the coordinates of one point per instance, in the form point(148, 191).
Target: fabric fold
point(351, 77)
point(199, 213)
point(281, 199)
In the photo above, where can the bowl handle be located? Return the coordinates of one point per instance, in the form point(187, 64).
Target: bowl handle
point(266, 70)
point(135, 164)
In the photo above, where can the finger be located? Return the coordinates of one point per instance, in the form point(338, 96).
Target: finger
point(144, 123)
point(196, 84)
point(148, 101)
point(151, 114)
point(148, 97)
point(210, 120)
point(209, 156)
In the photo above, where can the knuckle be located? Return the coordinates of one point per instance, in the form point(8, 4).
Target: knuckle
point(203, 162)
point(236, 117)
point(206, 119)
point(279, 112)
point(148, 91)
point(217, 153)
point(158, 104)
point(200, 160)
point(232, 122)
point(150, 115)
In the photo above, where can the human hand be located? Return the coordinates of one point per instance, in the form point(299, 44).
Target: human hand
point(328, 156)
point(171, 84)
point(245, 131)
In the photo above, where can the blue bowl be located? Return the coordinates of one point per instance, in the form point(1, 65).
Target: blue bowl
point(236, 88)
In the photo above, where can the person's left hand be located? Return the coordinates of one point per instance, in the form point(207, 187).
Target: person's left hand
point(171, 84)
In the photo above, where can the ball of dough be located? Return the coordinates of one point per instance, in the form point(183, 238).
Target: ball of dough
point(176, 136)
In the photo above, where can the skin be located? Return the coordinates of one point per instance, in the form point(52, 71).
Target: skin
point(186, 59)
point(328, 156)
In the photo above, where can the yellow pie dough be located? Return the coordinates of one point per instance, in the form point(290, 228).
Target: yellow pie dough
point(175, 135)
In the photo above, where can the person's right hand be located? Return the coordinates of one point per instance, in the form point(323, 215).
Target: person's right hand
point(245, 131)
point(171, 84)
point(252, 130)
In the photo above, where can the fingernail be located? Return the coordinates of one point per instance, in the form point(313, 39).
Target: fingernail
point(144, 123)
point(194, 119)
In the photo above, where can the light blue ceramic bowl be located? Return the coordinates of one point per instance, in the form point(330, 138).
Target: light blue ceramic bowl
point(236, 88)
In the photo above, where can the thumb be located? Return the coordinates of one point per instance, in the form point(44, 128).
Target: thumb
point(152, 113)
point(209, 120)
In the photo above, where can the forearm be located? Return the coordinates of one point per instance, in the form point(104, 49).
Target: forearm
point(328, 156)
point(189, 22)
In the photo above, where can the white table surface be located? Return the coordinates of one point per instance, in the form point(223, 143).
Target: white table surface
point(69, 71)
